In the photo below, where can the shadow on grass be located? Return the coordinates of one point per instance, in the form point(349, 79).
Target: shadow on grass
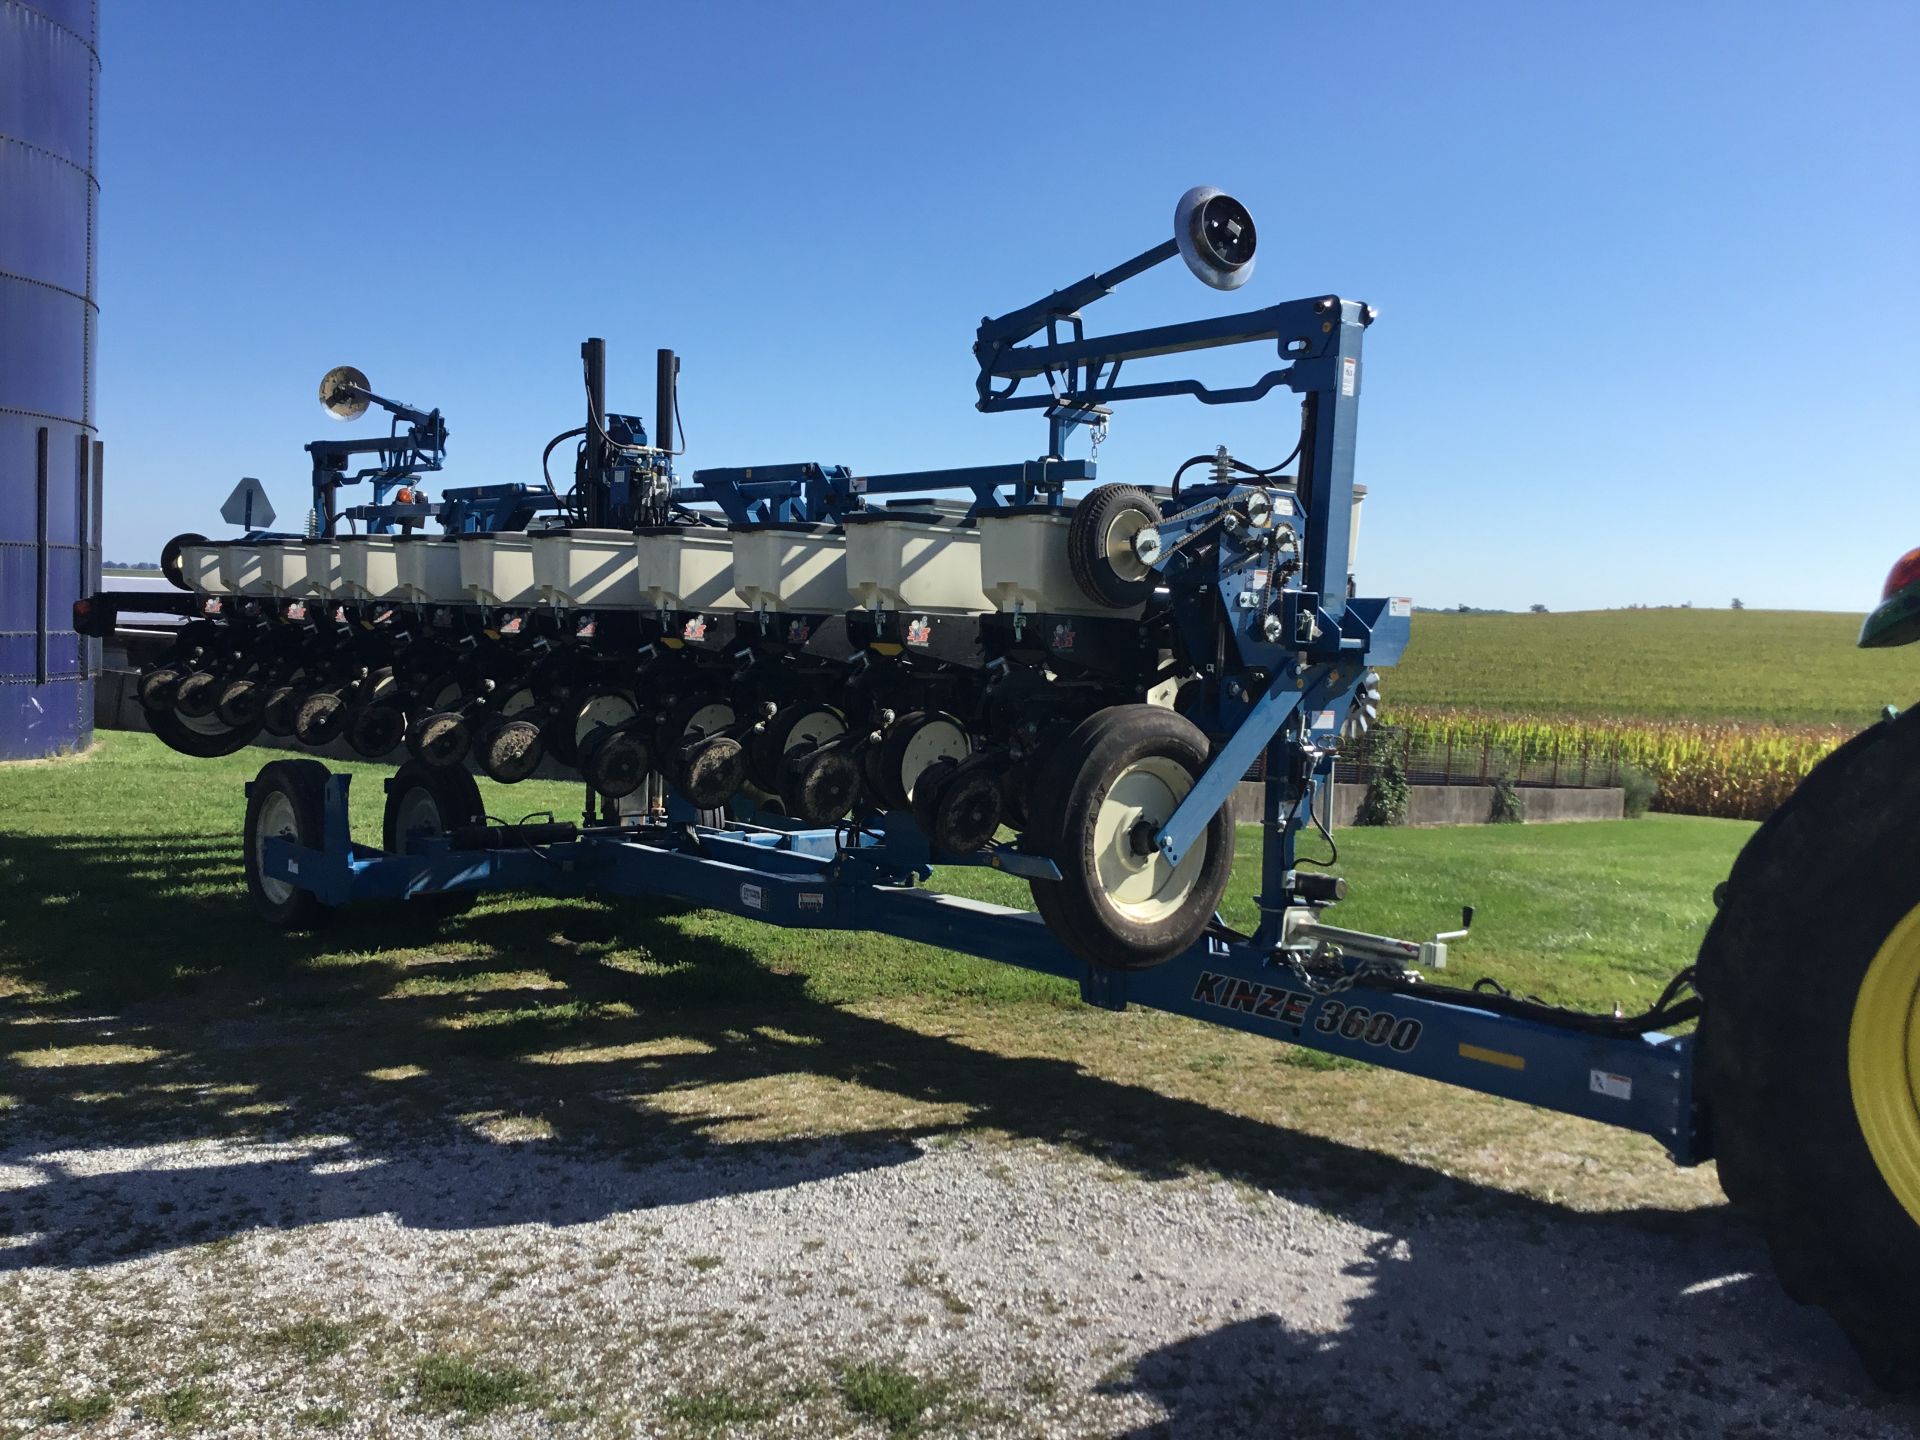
point(168, 1012)
point(143, 1003)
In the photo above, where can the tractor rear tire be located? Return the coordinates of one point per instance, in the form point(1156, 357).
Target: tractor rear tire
point(287, 800)
point(1113, 782)
point(1810, 1042)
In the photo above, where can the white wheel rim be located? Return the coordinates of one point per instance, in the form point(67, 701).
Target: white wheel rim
point(933, 741)
point(277, 820)
point(1144, 889)
point(1119, 544)
point(709, 718)
point(519, 701)
point(602, 712)
point(417, 814)
point(446, 697)
point(813, 729)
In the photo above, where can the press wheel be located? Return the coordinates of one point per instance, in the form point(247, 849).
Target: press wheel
point(795, 728)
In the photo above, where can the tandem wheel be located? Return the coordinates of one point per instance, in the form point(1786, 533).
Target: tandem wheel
point(286, 801)
point(1109, 787)
point(425, 801)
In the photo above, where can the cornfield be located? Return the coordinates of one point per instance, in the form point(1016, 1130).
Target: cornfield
point(1728, 769)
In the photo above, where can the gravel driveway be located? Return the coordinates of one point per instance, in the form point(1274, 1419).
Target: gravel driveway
point(965, 1285)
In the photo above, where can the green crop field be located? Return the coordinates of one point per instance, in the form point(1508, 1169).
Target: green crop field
point(1787, 668)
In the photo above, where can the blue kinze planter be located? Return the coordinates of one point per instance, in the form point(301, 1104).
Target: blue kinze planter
point(791, 690)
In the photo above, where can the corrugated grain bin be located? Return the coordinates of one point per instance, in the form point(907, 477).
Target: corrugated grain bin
point(49, 458)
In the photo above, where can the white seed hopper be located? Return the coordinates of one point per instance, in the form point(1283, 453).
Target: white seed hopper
point(686, 567)
point(921, 559)
point(791, 567)
point(240, 572)
point(283, 567)
point(323, 567)
point(497, 569)
point(1024, 565)
point(200, 566)
point(587, 567)
point(429, 569)
point(370, 568)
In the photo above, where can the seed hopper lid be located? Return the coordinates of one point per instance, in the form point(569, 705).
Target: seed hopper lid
point(714, 530)
point(1037, 507)
point(915, 512)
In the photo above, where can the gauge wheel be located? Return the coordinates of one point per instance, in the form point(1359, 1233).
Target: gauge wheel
point(797, 727)
point(819, 785)
point(959, 803)
point(375, 729)
point(1100, 549)
point(424, 801)
point(911, 746)
point(1112, 784)
point(287, 800)
point(709, 772)
point(692, 717)
point(602, 710)
point(437, 692)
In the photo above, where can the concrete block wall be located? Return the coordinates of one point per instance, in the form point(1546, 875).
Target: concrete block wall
point(1461, 804)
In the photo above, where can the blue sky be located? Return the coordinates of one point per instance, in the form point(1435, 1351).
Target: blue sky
point(1646, 273)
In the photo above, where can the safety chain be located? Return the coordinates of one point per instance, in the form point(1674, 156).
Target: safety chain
point(1346, 979)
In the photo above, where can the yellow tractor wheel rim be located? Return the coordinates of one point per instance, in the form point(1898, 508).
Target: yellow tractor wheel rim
point(1883, 1060)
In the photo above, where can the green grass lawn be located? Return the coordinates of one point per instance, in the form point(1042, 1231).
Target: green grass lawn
point(1784, 667)
point(123, 876)
point(137, 989)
